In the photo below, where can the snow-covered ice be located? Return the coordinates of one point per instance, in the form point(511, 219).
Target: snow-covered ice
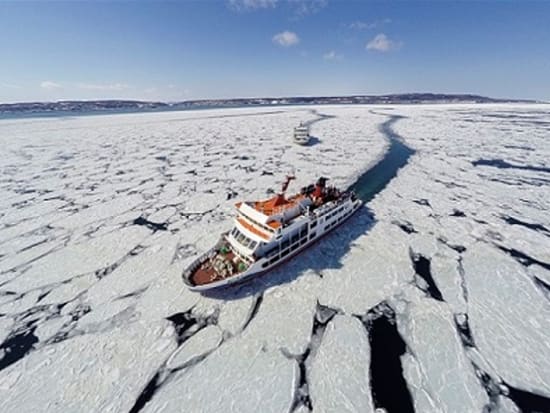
point(100, 214)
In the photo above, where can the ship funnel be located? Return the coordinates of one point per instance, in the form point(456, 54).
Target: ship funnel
point(319, 187)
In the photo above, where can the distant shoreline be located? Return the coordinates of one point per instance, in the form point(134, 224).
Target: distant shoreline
point(105, 107)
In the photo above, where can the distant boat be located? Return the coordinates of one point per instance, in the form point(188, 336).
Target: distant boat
point(301, 134)
point(269, 232)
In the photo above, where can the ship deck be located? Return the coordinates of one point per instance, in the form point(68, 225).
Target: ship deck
point(206, 273)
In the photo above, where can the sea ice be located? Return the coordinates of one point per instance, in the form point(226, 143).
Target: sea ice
point(101, 214)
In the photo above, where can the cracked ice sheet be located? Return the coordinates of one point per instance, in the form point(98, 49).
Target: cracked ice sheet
point(135, 273)
point(166, 296)
point(202, 343)
point(94, 372)
point(509, 318)
point(239, 377)
point(285, 317)
point(78, 259)
point(445, 272)
point(376, 266)
point(100, 211)
point(113, 169)
point(439, 374)
point(441, 179)
point(184, 163)
point(25, 257)
point(346, 389)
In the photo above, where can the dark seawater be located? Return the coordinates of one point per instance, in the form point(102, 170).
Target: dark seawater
point(502, 164)
point(388, 386)
point(376, 178)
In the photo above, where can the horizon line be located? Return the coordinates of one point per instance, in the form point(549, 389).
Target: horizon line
point(394, 94)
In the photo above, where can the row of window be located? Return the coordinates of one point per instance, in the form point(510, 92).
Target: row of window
point(291, 240)
point(298, 239)
point(337, 210)
point(284, 253)
point(336, 221)
point(243, 239)
point(326, 217)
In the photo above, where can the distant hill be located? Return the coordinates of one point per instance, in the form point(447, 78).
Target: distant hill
point(78, 106)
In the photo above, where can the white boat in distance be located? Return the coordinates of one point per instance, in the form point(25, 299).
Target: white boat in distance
point(268, 232)
point(301, 134)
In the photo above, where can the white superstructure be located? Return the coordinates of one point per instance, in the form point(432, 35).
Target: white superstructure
point(269, 232)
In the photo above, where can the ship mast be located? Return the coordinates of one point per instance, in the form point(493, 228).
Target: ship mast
point(286, 183)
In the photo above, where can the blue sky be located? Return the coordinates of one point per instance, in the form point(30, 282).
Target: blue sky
point(181, 50)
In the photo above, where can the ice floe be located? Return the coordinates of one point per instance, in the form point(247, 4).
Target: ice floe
point(441, 282)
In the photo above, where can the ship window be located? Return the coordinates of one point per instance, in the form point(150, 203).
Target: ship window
point(314, 224)
point(274, 259)
point(285, 244)
point(284, 252)
point(312, 235)
point(274, 249)
point(265, 264)
point(244, 240)
point(295, 237)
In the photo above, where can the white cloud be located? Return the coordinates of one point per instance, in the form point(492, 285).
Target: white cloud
point(116, 87)
point(383, 43)
point(286, 39)
point(243, 5)
point(49, 85)
point(332, 55)
point(362, 25)
point(299, 8)
point(304, 7)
